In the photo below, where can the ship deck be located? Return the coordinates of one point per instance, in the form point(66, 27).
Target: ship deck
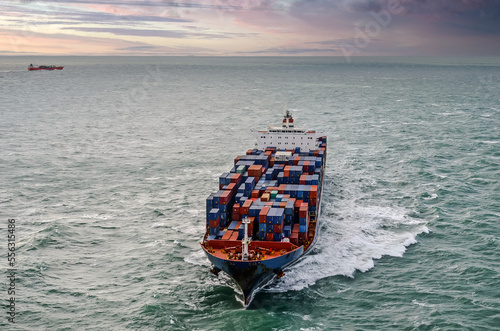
point(268, 249)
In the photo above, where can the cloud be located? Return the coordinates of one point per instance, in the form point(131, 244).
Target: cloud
point(137, 48)
point(154, 33)
point(292, 51)
point(287, 27)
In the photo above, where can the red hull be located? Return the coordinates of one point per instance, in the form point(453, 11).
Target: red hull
point(45, 68)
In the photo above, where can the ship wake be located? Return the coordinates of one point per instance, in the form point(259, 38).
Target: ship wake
point(353, 235)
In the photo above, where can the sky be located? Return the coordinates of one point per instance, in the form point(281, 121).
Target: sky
point(251, 27)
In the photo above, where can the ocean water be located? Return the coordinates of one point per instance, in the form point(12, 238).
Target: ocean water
point(106, 165)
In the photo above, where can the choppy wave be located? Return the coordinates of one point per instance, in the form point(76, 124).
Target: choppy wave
point(107, 180)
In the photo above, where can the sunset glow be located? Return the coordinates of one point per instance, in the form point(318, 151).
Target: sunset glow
point(272, 27)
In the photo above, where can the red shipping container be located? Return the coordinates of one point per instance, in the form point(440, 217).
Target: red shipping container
point(303, 212)
point(294, 238)
point(296, 228)
point(313, 201)
point(225, 197)
point(314, 191)
point(269, 236)
point(263, 214)
point(249, 152)
point(305, 168)
point(255, 194)
point(302, 179)
point(214, 223)
point(271, 162)
point(238, 225)
point(236, 208)
point(250, 226)
point(278, 228)
point(237, 159)
point(296, 206)
point(236, 217)
point(246, 205)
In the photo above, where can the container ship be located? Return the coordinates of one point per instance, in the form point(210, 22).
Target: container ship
point(266, 212)
point(32, 67)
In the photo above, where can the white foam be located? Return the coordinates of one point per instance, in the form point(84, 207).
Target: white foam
point(351, 241)
point(197, 258)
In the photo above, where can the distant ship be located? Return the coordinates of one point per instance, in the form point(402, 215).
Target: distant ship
point(266, 213)
point(32, 67)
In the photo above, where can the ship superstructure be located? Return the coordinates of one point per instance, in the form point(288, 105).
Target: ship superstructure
point(287, 136)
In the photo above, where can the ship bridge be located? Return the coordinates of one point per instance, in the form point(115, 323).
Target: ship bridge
point(288, 136)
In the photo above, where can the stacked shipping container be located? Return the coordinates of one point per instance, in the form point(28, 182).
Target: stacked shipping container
point(278, 195)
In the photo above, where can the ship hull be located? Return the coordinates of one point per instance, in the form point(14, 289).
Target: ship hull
point(252, 275)
point(50, 68)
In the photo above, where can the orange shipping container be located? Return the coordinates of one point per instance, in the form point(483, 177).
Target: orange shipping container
point(281, 189)
point(265, 197)
point(231, 187)
point(255, 170)
point(236, 178)
point(234, 236)
point(286, 171)
point(227, 235)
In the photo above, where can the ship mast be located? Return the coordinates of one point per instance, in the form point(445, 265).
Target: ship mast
point(246, 240)
point(288, 120)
